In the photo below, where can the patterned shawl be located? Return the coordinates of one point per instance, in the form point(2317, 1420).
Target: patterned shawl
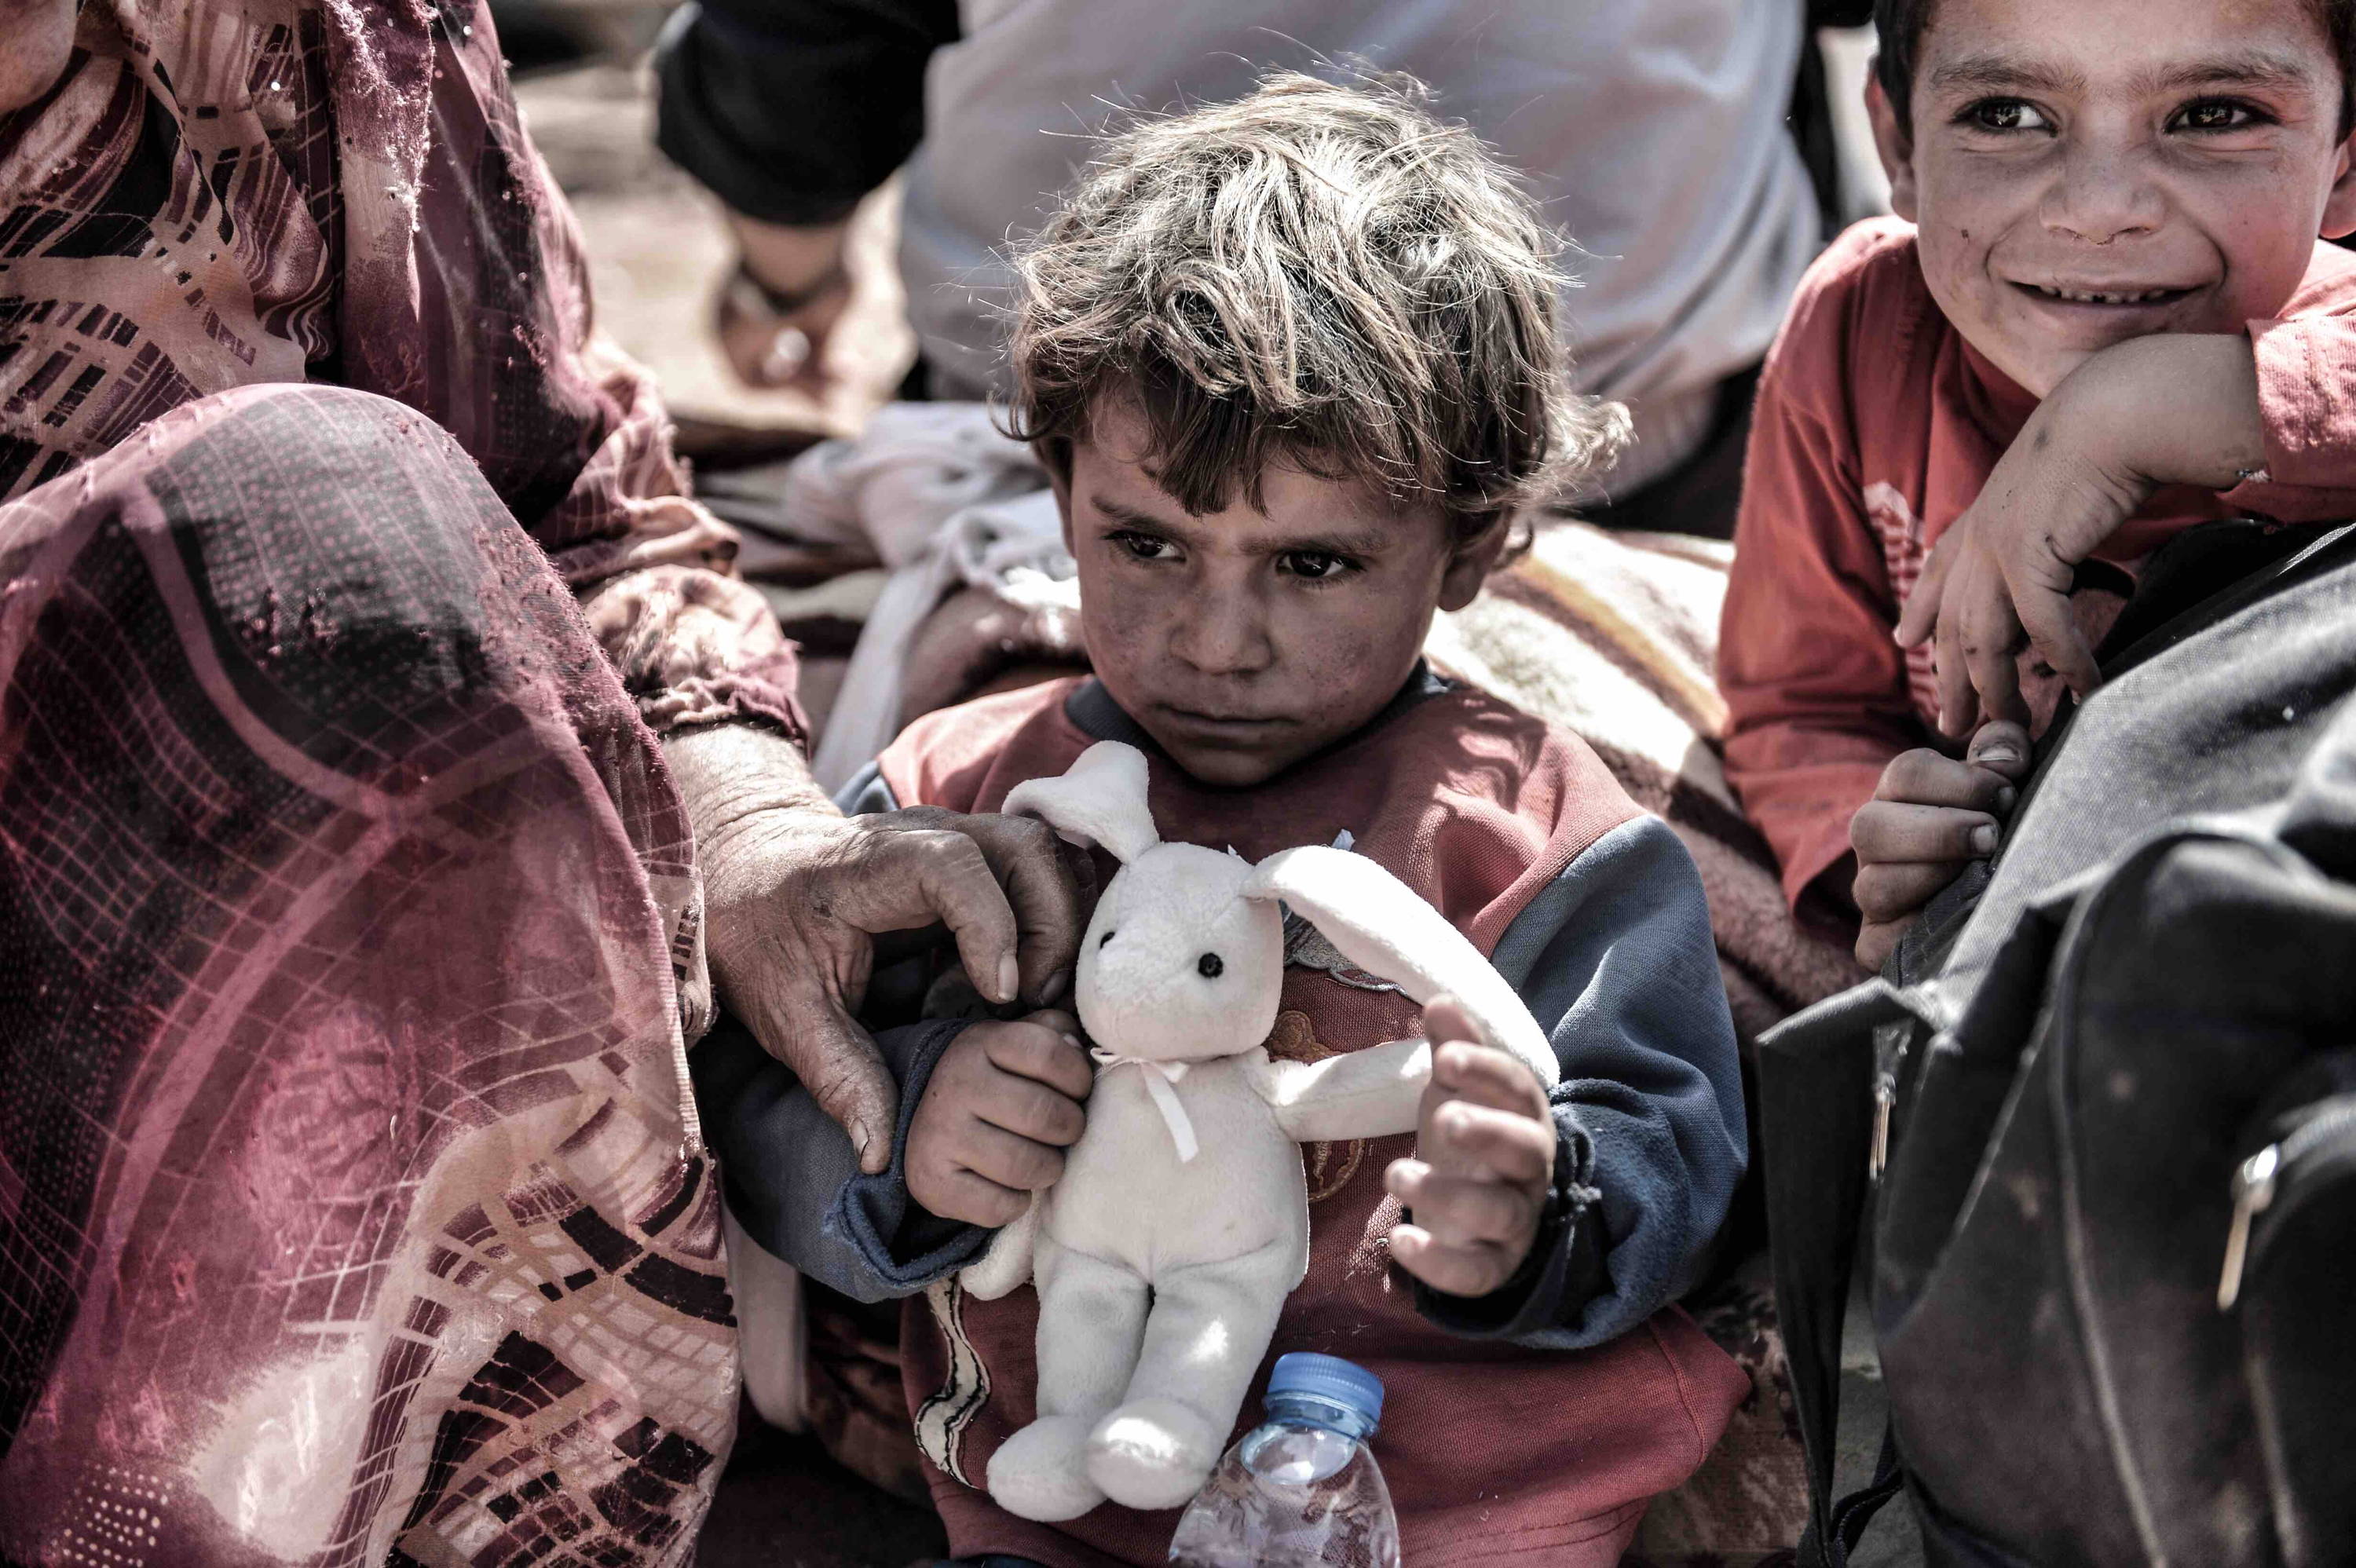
point(481, 1313)
point(235, 191)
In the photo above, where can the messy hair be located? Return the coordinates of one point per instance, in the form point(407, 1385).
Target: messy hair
point(1322, 276)
point(1899, 25)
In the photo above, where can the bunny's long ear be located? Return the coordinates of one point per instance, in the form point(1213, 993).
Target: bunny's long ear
point(1099, 799)
point(1379, 923)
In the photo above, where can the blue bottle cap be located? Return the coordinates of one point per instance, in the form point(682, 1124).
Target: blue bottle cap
point(1328, 1378)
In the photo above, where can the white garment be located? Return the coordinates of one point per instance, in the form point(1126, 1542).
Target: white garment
point(944, 499)
point(1652, 132)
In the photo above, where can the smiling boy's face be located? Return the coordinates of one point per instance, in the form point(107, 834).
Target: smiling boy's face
point(1246, 640)
point(2085, 172)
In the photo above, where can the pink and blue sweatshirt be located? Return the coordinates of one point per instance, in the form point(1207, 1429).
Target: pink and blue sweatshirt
point(1533, 1424)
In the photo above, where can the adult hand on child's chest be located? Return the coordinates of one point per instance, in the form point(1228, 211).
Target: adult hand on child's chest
point(795, 894)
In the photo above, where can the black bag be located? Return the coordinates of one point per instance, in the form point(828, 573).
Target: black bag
point(2126, 1050)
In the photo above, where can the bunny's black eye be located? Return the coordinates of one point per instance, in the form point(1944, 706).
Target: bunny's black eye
point(1106, 937)
point(1210, 967)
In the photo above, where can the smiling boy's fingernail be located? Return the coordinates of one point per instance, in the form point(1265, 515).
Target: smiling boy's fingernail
point(2006, 796)
point(1998, 753)
point(1057, 984)
point(1009, 979)
point(1983, 839)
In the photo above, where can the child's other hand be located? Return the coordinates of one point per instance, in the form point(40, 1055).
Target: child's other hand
point(1930, 818)
point(1486, 1145)
point(2168, 409)
point(1003, 1104)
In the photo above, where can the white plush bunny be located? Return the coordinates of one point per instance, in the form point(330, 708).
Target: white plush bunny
point(1182, 1218)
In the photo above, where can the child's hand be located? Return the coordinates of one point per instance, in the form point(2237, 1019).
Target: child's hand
point(1486, 1143)
point(1003, 1104)
point(2168, 409)
point(1930, 818)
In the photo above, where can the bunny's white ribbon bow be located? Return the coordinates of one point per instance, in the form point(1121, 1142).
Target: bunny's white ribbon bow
point(1159, 1077)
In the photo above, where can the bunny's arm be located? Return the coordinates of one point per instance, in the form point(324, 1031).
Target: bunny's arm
point(1366, 1093)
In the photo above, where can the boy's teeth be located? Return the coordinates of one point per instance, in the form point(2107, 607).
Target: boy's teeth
point(2082, 296)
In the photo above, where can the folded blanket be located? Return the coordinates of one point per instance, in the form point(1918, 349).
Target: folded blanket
point(944, 500)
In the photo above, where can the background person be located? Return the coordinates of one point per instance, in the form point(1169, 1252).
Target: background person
point(1653, 130)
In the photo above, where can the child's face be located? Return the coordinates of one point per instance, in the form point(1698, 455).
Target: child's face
point(1243, 641)
point(2174, 158)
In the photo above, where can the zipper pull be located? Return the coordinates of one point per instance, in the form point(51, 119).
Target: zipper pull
point(1885, 1102)
point(2253, 1192)
point(1891, 1042)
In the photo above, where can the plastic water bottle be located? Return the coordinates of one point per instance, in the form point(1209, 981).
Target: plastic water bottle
point(1301, 1490)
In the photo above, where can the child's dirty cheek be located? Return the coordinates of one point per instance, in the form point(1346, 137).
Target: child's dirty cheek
point(1340, 654)
point(1114, 620)
point(1123, 643)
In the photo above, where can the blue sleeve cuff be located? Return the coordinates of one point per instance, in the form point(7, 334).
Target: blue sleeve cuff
point(793, 1183)
point(1616, 961)
point(905, 1247)
point(865, 792)
point(1564, 1269)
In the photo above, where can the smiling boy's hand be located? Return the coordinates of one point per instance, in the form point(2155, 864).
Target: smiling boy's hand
point(2168, 409)
point(1930, 818)
point(1486, 1147)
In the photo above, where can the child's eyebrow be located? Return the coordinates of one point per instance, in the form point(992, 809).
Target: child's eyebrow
point(1343, 542)
point(1337, 541)
point(2255, 67)
point(2000, 72)
point(1130, 516)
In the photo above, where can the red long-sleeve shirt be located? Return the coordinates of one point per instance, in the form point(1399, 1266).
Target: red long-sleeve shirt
point(1877, 425)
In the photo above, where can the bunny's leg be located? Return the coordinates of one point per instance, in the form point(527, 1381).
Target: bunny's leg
point(1209, 1328)
point(1091, 1319)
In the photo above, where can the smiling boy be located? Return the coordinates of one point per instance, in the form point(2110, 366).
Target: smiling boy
point(2101, 315)
point(1290, 363)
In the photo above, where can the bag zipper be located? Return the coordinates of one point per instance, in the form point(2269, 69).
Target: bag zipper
point(2257, 1181)
point(1891, 1042)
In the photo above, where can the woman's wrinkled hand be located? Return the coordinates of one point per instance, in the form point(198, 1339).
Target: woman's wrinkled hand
point(795, 893)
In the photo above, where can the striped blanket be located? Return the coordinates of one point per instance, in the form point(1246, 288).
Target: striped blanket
point(1614, 637)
